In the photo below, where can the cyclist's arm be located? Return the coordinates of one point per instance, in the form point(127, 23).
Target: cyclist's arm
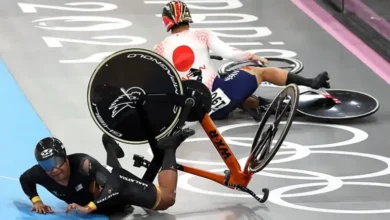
point(110, 193)
point(224, 50)
point(28, 182)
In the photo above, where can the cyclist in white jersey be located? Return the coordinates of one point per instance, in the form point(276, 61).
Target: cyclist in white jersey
point(187, 49)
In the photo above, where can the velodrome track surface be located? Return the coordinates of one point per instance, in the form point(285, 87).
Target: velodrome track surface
point(48, 62)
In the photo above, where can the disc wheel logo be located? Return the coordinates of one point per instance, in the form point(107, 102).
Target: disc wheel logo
point(318, 184)
point(126, 100)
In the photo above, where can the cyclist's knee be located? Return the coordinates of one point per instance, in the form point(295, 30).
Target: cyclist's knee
point(170, 199)
point(165, 204)
point(264, 73)
point(258, 72)
point(167, 200)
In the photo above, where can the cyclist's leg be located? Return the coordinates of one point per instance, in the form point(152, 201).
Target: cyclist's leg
point(282, 77)
point(139, 192)
point(167, 177)
point(148, 195)
point(158, 197)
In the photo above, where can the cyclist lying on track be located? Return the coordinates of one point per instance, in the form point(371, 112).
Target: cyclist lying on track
point(186, 49)
point(88, 186)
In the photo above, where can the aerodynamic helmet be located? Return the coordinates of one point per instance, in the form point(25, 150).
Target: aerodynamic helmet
point(50, 153)
point(174, 13)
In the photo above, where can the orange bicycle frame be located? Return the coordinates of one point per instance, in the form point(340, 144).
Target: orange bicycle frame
point(237, 176)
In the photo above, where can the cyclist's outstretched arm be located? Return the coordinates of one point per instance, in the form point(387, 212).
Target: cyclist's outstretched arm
point(223, 49)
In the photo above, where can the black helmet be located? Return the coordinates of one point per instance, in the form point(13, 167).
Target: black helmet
point(50, 153)
point(175, 12)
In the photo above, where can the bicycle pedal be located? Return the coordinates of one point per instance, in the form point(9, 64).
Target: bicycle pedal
point(137, 157)
point(137, 164)
point(138, 160)
point(146, 163)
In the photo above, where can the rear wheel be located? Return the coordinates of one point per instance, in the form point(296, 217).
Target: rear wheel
point(116, 85)
point(337, 104)
point(285, 104)
point(293, 65)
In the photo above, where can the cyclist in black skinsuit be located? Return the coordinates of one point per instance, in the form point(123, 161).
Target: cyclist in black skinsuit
point(88, 186)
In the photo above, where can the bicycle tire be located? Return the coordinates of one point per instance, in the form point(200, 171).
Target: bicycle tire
point(370, 103)
point(230, 67)
point(252, 166)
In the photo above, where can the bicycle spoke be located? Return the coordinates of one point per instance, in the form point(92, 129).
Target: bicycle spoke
point(269, 143)
point(262, 154)
point(278, 119)
point(266, 141)
point(264, 138)
point(264, 151)
point(277, 108)
point(266, 148)
point(274, 131)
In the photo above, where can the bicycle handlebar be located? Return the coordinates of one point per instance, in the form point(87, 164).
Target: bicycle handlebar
point(215, 57)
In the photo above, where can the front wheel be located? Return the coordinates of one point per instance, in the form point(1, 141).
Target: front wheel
point(337, 104)
point(285, 104)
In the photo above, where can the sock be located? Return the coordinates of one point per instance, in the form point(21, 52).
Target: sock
point(169, 161)
point(299, 80)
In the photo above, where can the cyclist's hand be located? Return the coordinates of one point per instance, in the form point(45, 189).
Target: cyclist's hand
point(263, 60)
point(259, 58)
point(80, 209)
point(41, 208)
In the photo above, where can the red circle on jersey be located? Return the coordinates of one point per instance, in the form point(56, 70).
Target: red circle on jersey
point(183, 58)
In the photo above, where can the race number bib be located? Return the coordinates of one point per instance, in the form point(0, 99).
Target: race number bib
point(219, 100)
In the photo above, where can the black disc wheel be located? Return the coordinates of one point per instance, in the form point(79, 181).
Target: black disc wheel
point(337, 104)
point(116, 85)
